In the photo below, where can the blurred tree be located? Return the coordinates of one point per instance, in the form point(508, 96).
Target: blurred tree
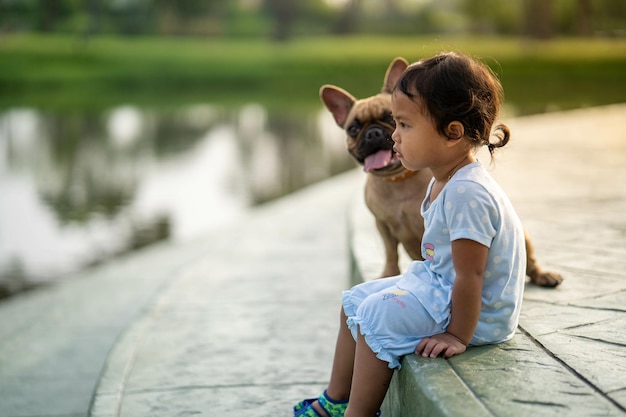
point(489, 16)
point(49, 14)
point(16, 15)
point(283, 19)
point(94, 16)
point(130, 17)
point(348, 20)
point(609, 17)
point(34, 15)
point(539, 18)
point(177, 16)
point(590, 18)
point(583, 23)
point(284, 13)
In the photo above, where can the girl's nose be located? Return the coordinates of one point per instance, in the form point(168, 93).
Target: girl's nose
point(394, 136)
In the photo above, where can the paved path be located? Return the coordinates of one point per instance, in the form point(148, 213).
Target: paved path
point(240, 323)
point(572, 197)
point(247, 330)
point(243, 322)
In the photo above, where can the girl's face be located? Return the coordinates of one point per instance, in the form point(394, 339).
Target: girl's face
point(418, 143)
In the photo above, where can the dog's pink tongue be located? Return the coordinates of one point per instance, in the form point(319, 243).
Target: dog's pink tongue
point(378, 160)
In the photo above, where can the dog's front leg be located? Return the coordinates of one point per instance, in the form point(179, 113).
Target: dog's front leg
point(391, 267)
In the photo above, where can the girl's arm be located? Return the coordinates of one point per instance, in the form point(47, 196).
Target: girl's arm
point(470, 259)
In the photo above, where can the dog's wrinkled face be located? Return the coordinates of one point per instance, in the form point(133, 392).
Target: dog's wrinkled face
point(369, 128)
point(368, 122)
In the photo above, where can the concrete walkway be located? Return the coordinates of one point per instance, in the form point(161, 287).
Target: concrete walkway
point(240, 323)
point(243, 323)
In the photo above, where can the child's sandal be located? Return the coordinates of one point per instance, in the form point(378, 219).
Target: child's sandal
point(331, 407)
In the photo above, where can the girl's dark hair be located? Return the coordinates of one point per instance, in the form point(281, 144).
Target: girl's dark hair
point(455, 87)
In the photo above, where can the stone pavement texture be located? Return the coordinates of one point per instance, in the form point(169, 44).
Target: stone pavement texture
point(243, 322)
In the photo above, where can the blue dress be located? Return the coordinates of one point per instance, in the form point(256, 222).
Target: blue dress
point(395, 314)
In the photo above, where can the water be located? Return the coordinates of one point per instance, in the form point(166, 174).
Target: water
point(77, 188)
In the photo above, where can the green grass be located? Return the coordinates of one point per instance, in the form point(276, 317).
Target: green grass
point(67, 72)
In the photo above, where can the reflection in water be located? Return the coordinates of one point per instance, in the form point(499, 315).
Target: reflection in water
point(78, 188)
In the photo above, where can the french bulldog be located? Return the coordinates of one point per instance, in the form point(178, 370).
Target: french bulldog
point(392, 193)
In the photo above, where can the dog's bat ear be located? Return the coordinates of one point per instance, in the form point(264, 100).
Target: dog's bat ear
point(338, 101)
point(395, 70)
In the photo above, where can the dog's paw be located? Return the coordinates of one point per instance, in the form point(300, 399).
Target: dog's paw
point(547, 279)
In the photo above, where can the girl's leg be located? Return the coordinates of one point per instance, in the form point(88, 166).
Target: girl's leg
point(372, 377)
point(343, 364)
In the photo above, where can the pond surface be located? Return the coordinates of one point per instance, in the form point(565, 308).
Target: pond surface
point(79, 188)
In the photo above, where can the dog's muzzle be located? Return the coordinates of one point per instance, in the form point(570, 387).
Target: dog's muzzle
point(376, 134)
point(375, 149)
point(373, 139)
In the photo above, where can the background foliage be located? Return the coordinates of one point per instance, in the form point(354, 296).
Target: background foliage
point(97, 53)
point(62, 71)
point(283, 19)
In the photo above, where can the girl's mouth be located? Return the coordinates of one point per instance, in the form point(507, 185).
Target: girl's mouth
point(397, 153)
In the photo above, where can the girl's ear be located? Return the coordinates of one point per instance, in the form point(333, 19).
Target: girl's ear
point(455, 131)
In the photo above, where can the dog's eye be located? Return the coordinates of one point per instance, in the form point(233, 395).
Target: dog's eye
point(354, 130)
point(389, 120)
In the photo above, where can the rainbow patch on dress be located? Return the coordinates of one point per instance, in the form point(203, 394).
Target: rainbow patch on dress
point(429, 250)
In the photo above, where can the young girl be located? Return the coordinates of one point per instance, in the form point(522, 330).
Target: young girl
point(468, 290)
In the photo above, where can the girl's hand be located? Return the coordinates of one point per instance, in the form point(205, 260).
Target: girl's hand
point(443, 344)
